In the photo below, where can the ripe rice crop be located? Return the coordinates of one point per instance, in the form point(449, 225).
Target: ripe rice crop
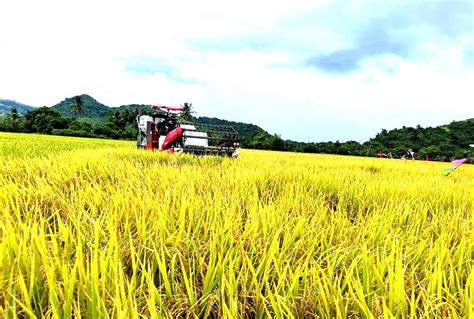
point(92, 228)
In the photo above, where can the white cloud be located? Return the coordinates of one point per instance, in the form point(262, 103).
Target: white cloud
point(50, 50)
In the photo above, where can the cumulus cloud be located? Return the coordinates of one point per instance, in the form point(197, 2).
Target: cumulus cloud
point(402, 31)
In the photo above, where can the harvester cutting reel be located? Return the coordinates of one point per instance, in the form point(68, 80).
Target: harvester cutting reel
point(163, 131)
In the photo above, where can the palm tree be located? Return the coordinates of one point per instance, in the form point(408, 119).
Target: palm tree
point(14, 118)
point(187, 112)
point(77, 107)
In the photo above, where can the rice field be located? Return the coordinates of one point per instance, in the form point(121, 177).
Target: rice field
point(97, 229)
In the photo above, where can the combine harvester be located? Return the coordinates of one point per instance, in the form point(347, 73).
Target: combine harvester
point(163, 131)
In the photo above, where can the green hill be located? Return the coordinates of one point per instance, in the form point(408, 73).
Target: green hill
point(440, 143)
point(7, 105)
point(93, 111)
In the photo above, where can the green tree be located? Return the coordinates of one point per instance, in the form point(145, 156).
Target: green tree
point(14, 119)
point(44, 120)
point(277, 143)
point(187, 112)
point(78, 106)
point(432, 152)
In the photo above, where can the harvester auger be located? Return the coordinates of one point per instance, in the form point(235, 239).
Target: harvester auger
point(163, 131)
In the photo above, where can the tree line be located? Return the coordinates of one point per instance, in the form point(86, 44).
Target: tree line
point(46, 120)
point(442, 143)
point(119, 124)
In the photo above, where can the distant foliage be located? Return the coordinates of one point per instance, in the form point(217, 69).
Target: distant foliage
point(44, 120)
point(187, 113)
point(83, 106)
point(77, 108)
point(14, 121)
point(442, 143)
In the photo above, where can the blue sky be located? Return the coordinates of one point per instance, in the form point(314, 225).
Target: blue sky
point(308, 70)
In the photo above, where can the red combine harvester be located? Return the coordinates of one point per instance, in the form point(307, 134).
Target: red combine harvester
point(163, 131)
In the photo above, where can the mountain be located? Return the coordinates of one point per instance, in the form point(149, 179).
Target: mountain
point(7, 105)
point(93, 111)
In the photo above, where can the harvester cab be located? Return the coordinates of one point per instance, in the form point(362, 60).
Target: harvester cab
point(162, 130)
